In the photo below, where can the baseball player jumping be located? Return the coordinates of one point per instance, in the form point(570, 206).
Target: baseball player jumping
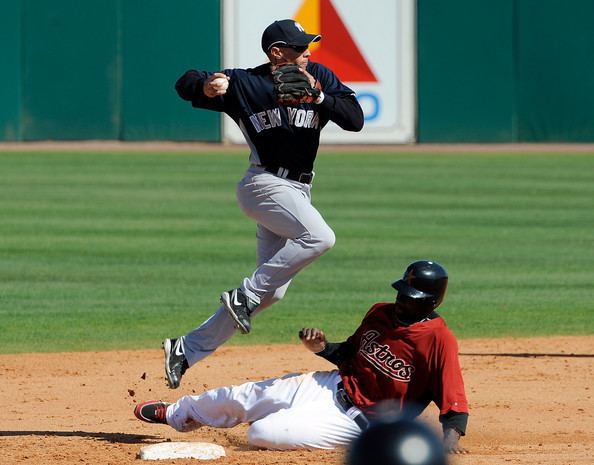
point(402, 354)
point(281, 107)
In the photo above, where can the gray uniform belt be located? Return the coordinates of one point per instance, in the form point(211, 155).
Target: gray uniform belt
point(305, 178)
point(351, 410)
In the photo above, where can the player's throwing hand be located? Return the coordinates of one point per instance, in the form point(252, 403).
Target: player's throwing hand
point(216, 85)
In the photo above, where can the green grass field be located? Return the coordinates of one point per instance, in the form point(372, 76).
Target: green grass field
point(119, 250)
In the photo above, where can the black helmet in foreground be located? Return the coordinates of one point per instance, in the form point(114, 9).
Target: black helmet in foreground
point(401, 442)
point(420, 291)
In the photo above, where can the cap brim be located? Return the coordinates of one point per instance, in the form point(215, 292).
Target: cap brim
point(402, 286)
point(306, 39)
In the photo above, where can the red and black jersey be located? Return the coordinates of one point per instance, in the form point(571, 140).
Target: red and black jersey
point(412, 365)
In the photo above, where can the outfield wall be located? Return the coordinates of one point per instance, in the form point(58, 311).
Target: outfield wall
point(505, 71)
point(104, 69)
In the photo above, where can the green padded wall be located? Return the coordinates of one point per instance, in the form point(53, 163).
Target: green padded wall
point(556, 70)
point(488, 71)
point(71, 76)
point(10, 70)
point(465, 71)
point(506, 71)
point(161, 40)
point(106, 69)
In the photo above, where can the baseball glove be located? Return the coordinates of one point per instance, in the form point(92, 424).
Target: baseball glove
point(292, 86)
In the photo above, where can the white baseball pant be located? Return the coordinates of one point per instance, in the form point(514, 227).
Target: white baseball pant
point(291, 234)
point(297, 411)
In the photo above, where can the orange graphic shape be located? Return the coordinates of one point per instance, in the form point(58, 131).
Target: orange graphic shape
point(337, 49)
point(308, 16)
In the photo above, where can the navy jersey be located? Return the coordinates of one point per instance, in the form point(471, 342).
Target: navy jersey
point(278, 135)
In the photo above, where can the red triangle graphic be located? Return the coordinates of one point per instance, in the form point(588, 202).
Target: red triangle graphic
point(337, 49)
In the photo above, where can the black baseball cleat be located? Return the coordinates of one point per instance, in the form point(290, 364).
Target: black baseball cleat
point(175, 361)
point(153, 411)
point(240, 307)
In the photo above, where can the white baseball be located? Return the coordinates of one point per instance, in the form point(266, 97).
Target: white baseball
point(220, 83)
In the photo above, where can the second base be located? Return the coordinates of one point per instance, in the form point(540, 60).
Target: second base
point(182, 450)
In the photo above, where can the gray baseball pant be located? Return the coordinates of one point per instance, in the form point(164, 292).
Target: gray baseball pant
point(291, 234)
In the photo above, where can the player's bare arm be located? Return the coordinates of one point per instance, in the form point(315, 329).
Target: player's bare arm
point(313, 339)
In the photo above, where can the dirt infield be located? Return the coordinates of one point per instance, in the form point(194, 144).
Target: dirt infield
point(531, 402)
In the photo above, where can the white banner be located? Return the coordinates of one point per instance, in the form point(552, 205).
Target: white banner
point(369, 45)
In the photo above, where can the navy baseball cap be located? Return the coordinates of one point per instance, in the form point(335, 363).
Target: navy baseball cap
point(286, 32)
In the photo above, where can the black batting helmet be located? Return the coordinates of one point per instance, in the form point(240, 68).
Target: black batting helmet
point(421, 290)
point(400, 442)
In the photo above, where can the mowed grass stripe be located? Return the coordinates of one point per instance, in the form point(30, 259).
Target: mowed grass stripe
point(113, 250)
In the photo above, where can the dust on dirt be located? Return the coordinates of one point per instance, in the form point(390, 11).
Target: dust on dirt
point(530, 399)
